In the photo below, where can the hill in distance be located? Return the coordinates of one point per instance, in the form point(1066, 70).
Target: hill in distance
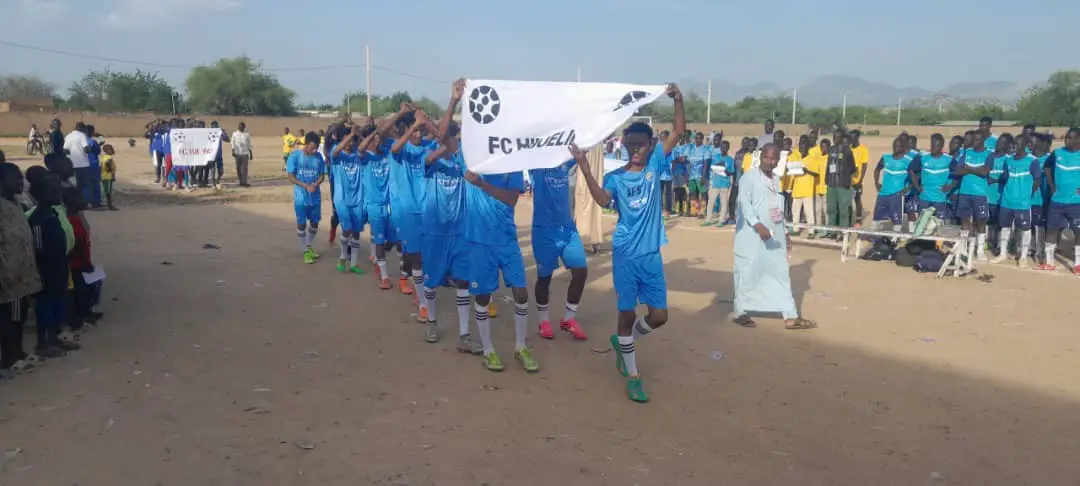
point(830, 90)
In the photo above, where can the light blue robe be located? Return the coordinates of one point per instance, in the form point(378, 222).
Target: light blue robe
point(762, 277)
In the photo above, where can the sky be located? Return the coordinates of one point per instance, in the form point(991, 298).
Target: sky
point(422, 45)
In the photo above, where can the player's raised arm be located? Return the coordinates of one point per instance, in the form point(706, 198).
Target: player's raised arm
point(680, 120)
point(599, 194)
point(456, 92)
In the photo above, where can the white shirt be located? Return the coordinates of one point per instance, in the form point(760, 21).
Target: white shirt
point(241, 143)
point(75, 144)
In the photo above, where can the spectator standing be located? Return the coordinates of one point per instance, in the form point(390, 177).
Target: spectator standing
point(92, 192)
point(56, 136)
point(839, 172)
point(77, 146)
point(18, 271)
point(768, 137)
point(242, 153)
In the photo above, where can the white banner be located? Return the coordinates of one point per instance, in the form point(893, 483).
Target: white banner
point(509, 126)
point(194, 146)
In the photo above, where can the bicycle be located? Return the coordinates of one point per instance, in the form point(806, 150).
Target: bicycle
point(35, 146)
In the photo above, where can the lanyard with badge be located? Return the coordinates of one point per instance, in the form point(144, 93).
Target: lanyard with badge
point(775, 213)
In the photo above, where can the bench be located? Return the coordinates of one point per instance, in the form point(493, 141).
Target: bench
point(957, 262)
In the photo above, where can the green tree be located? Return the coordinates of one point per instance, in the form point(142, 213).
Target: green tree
point(23, 87)
point(1056, 103)
point(237, 86)
point(109, 91)
point(385, 105)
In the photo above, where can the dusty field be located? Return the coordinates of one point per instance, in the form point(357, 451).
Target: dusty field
point(241, 366)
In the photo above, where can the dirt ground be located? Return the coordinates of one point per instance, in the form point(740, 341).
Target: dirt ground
point(242, 366)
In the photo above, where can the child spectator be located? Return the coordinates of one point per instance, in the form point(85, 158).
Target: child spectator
point(18, 272)
point(79, 262)
point(108, 174)
point(50, 254)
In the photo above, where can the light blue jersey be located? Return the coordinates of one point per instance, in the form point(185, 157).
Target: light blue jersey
point(551, 196)
point(1017, 181)
point(407, 184)
point(490, 221)
point(307, 169)
point(377, 179)
point(1066, 176)
point(636, 197)
point(1039, 198)
point(973, 184)
point(934, 173)
point(717, 181)
point(997, 170)
point(444, 212)
point(991, 143)
point(347, 177)
point(894, 175)
point(698, 156)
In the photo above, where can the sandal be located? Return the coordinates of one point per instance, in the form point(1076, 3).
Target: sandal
point(745, 321)
point(801, 324)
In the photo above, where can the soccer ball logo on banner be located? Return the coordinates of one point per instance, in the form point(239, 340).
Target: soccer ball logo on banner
point(214, 136)
point(484, 104)
point(630, 98)
point(178, 136)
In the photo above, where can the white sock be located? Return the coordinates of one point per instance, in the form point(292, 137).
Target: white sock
point(302, 236)
point(381, 264)
point(462, 301)
point(1025, 244)
point(429, 297)
point(1076, 255)
point(418, 284)
point(401, 267)
point(1049, 253)
point(542, 311)
point(629, 354)
point(343, 245)
point(1040, 239)
point(521, 324)
point(980, 245)
point(641, 328)
point(354, 250)
point(373, 245)
point(570, 312)
point(1003, 240)
point(311, 232)
point(480, 312)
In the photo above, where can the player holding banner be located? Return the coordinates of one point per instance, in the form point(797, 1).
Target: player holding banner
point(637, 266)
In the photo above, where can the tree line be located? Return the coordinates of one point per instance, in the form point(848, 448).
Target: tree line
point(239, 86)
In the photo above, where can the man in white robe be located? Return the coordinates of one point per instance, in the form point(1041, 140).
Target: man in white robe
point(762, 276)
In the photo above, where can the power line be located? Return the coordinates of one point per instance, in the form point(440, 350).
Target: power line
point(187, 66)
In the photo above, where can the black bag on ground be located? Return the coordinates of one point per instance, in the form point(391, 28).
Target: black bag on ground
point(907, 256)
point(930, 261)
point(882, 250)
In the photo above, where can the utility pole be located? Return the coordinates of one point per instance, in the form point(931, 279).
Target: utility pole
point(579, 74)
point(794, 104)
point(843, 110)
point(708, 104)
point(899, 107)
point(367, 69)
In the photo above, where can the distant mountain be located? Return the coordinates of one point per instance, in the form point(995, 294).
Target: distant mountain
point(830, 90)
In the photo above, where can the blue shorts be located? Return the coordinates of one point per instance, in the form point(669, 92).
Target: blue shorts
point(1060, 216)
point(1038, 216)
point(1021, 218)
point(445, 258)
point(911, 204)
point(639, 280)
point(379, 221)
point(941, 209)
point(973, 207)
point(408, 229)
point(50, 311)
point(995, 210)
point(351, 218)
point(304, 214)
point(486, 262)
point(889, 208)
point(550, 244)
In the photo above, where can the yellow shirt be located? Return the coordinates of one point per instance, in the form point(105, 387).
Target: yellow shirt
point(815, 151)
point(108, 168)
point(788, 180)
point(819, 162)
point(747, 161)
point(802, 186)
point(862, 157)
point(288, 142)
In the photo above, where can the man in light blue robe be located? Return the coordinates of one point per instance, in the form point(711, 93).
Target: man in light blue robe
point(762, 276)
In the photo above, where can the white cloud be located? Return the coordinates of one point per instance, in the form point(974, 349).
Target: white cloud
point(148, 13)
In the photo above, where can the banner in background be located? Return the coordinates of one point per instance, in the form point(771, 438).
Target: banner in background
point(510, 126)
point(194, 146)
